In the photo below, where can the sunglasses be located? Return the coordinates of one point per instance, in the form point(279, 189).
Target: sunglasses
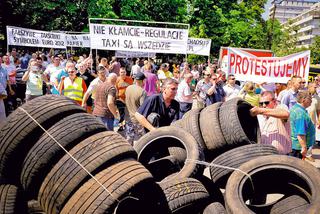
point(208, 75)
point(214, 78)
point(71, 72)
point(265, 103)
point(232, 78)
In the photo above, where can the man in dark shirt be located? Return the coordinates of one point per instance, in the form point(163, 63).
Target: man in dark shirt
point(163, 105)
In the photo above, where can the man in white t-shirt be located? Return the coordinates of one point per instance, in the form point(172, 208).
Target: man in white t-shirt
point(135, 69)
point(231, 88)
point(34, 81)
point(184, 95)
point(52, 71)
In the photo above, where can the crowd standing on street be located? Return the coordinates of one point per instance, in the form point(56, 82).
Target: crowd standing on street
point(136, 96)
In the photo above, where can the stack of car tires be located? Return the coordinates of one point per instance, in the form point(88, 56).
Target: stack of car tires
point(221, 126)
point(55, 158)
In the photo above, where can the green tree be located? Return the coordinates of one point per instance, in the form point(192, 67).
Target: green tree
point(287, 41)
point(229, 23)
point(274, 33)
point(315, 51)
point(64, 15)
point(148, 10)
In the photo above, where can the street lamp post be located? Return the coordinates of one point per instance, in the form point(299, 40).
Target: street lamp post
point(273, 17)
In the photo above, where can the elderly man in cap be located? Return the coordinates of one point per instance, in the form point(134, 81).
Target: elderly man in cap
point(135, 96)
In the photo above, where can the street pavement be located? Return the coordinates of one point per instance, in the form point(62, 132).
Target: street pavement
point(316, 156)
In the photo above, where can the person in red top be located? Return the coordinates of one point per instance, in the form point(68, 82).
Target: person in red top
point(72, 86)
point(122, 83)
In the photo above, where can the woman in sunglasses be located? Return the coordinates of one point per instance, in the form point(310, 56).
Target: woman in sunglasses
point(274, 122)
point(205, 89)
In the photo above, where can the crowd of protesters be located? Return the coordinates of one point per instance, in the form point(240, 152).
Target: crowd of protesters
point(141, 95)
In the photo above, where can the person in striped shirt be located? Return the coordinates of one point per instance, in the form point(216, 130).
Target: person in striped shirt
point(274, 122)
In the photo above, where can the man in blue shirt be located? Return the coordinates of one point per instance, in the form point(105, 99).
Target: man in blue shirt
point(290, 97)
point(162, 105)
point(302, 128)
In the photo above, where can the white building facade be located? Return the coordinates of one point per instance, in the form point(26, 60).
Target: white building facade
point(284, 10)
point(308, 25)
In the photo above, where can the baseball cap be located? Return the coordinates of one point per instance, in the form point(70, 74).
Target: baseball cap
point(164, 65)
point(140, 76)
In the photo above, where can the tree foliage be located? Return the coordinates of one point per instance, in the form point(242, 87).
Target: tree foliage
point(226, 22)
point(315, 51)
point(229, 23)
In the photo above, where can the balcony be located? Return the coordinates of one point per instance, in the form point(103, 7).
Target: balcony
point(307, 28)
point(306, 37)
point(307, 19)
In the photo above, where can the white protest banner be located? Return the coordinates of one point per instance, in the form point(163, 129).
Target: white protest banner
point(35, 38)
point(247, 67)
point(133, 54)
point(78, 40)
point(137, 38)
point(199, 46)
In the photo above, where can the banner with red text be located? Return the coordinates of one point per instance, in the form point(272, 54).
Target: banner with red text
point(247, 67)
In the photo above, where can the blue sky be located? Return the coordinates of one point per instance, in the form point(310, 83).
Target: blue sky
point(266, 8)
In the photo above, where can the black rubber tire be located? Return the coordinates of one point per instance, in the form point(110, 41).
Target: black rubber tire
point(34, 207)
point(191, 123)
point(213, 190)
point(272, 173)
point(293, 204)
point(235, 158)
point(215, 208)
point(210, 127)
point(186, 195)
point(237, 125)
point(20, 133)
point(123, 179)
point(180, 154)
point(177, 123)
point(154, 145)
point(94, 154)
point(46, 152)
point(12, 200)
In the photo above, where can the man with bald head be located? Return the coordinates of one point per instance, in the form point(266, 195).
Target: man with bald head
point(104, 104)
